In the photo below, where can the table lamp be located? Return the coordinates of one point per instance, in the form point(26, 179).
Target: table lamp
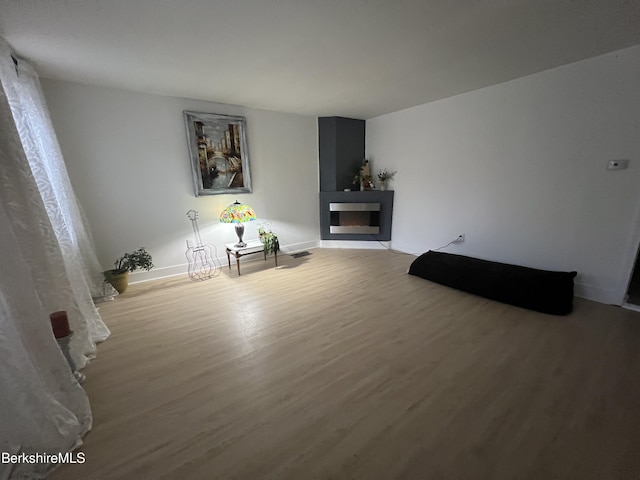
point(238, 213)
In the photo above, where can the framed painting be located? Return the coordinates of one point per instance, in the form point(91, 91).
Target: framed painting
point(219, 154)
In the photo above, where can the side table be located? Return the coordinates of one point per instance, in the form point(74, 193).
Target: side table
point(252, 246)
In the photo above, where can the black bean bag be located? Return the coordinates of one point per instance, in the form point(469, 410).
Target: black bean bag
point(540, 290)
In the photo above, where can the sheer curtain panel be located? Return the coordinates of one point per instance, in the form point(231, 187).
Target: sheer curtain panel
point(47, 264)
point(61, 257)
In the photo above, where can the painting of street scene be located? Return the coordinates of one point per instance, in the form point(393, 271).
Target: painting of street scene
point(218, 148)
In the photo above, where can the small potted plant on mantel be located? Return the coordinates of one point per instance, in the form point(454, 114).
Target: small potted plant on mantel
point(365, 181)
point(129, 262)
point(384, 176)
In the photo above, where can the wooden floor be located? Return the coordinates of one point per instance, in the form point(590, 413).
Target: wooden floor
point(339, 365)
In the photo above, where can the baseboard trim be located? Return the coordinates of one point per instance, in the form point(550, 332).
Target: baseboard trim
point(159, 273)
point(597, 294)
point(354, 244)
point(631, 306)
point(299, 247)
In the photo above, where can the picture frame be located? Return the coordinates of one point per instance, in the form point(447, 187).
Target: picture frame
point(219, 153)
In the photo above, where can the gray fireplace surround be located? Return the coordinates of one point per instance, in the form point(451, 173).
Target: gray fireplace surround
point(380, 218)
point(345, 212)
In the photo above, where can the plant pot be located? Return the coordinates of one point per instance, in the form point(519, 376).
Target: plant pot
point(118, 280)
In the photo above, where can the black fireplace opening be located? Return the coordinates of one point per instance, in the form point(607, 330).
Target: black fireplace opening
point(356, 215)
point(356, 219)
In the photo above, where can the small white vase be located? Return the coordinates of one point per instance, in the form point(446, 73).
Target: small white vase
point(383, 185)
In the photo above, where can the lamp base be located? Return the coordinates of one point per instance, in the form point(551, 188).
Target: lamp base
point(240, 233)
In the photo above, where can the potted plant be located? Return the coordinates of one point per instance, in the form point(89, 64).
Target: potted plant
point(384, 176)
point(365, 181)
point(129, 262)
point(269, 240)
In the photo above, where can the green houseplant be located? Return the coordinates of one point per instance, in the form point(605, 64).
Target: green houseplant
point(365, 181)
point(269, 240)
point(119, 277)
point(384, 176)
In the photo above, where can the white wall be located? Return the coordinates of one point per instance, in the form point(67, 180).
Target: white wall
point(520, 169)
point(129, 164)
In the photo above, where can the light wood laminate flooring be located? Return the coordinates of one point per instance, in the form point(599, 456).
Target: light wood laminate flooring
point(339, 365)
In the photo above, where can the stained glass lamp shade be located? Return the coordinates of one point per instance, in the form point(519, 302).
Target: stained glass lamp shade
point(238, 213)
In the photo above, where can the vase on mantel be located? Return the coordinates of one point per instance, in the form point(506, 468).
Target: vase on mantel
point(383, 185)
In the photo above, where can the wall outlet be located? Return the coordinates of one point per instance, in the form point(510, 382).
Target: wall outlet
point(617, 164)
point(460, 238)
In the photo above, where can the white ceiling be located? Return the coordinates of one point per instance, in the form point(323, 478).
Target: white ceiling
point(354, 58)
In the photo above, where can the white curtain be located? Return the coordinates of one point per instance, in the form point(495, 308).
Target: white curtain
point(47, 264)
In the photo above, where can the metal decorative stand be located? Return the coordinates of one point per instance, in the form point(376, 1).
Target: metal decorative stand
point(63, 333)
point(202, 258)
point(107, 292)
point(63, 343)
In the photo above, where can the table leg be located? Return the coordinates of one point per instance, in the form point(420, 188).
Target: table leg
point(238, 264)
point(228, 259)
point(276, 255)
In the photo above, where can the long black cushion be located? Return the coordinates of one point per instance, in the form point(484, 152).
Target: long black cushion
point(541, 290)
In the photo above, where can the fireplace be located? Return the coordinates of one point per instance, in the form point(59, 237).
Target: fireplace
point(352, 217)
point(356, 215)
point(347, 214)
